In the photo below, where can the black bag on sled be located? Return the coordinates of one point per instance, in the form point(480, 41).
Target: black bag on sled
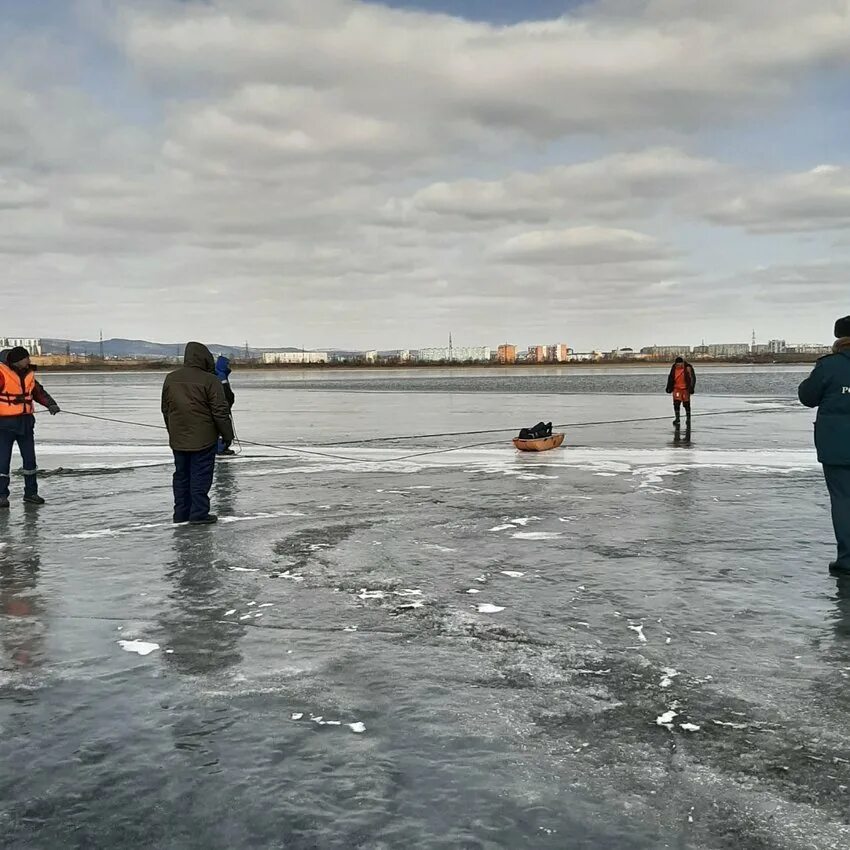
point(541, 429)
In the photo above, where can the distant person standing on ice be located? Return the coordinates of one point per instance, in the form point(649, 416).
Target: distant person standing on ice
point(222, 372)
point(828, 389)
point(196, 414)
point(682, 383)
point(19, 391)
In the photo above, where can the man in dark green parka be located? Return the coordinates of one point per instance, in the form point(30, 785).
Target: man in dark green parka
point(196, 414)
point(828, 389)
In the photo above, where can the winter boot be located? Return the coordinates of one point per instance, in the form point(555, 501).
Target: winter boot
point(34, 500)
point(209, 519)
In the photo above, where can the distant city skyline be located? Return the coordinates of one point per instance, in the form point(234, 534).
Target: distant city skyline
point(502, 352)
point(367, 174)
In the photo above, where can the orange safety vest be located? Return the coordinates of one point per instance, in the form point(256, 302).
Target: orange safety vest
point(680, 384)
point(16, 392)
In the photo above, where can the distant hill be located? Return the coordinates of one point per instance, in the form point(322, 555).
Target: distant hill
point(142, 348)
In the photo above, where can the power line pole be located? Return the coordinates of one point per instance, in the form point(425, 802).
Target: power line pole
point(101, 345)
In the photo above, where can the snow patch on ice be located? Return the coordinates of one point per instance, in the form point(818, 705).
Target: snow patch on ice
point(275, 515)
point(512, 574)
point(536, 535)
point(487, 608)
point(666, 719)
point(357, 727)
point(729, 725)
point(640, 634)
point(292, 576)
point(669, 675)
point(96, 533)
point(140, 647)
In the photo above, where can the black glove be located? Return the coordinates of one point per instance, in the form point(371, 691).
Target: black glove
point(54, 409)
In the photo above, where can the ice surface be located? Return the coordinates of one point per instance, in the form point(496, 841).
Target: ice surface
point(719, 548)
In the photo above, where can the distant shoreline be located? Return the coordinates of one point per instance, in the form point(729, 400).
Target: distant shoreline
point(162, 366)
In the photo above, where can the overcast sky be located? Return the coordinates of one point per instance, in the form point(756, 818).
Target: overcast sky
point(351, 174)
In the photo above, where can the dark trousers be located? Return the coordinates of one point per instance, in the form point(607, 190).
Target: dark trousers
point(26, 445)
point(838, 483)
point(677, 408)
point(193, 477)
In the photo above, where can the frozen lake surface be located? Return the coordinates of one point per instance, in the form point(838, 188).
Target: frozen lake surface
point(627, 643)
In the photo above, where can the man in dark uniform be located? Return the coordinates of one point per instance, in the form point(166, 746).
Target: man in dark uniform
point(828, 389)
point(196, 414)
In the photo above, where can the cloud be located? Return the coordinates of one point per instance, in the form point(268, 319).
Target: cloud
point(643, 64)
point(367, 175)
point(818, 199)
point(613, 187)
point(581, 246)
point(17, 194)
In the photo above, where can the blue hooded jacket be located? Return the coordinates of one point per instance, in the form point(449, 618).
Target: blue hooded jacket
point(222, 367)
point(222, 371)
point(828, 389)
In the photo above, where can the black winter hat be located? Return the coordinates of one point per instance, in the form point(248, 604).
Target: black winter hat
point(16, 355)
point(842, 327)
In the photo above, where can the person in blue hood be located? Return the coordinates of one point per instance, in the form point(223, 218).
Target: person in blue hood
point(222, 371)
point(828, 389)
